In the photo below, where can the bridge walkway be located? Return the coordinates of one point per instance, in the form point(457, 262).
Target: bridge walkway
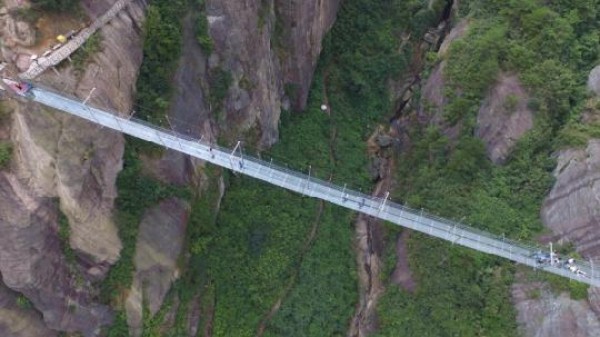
point(381, 208)
point(41, 64)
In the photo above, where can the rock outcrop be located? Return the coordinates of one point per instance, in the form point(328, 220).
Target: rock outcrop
point(594, 80)
point(433, 101)
point(303, 25)
point(31, 262)
point(572, 208)
point(503, 117)
point(159, 243)
point(541, 313)
point(433, 95)
point(572, 211)
point(56, 159)
point(265, 47)
point(17, 319)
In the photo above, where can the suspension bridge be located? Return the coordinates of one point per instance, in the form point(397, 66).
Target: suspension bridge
point(381, 208)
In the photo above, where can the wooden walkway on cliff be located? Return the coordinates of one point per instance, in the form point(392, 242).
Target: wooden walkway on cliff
point(306, 185)
point(41, 64)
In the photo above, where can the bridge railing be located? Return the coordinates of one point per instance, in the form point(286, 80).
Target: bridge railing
point(417, 219)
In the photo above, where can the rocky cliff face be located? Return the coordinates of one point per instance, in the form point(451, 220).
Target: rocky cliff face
point(265, 47)
point(32, 263)
point(160, 240)
point(503, 117)
point(572, 208)
point(570, 211)
point(56, 160)
point(17, 319)
point(541, 313)
point(594, 80)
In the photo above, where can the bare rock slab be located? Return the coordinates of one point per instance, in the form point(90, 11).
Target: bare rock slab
point(503, 117)
point(543, 314)
point(572, 208)
point(160, 240)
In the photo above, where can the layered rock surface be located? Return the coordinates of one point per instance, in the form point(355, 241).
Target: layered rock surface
point(75, 162)
point(543, 314)
point(503, 117)
point(159, 243)
point(571, 211)
point(572, 208)
point(262, 58)
point(31, 261)
point(17, 319)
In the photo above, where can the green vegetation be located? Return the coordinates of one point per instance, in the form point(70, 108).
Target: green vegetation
point(84, 54)
point(577, 133)
point(460, 292)
point(263, 250)
point(194, 281)
point(56, 5)
point(219, 81)
point(5, 154)
point(119, 328)
point(137, 192)
point(64, 232)
point(260, 248)
point(151, 325)
point(202, 33)
point(513, 37)
point(162, 47)
point(23, 302)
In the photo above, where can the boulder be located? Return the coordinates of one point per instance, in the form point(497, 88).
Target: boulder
point(594, 80)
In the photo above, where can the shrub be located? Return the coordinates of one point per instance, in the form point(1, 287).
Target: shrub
point(83, 55)
point(56, 5)
point(5, 154)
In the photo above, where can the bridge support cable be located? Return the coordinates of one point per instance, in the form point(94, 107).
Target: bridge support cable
point(297, 182)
